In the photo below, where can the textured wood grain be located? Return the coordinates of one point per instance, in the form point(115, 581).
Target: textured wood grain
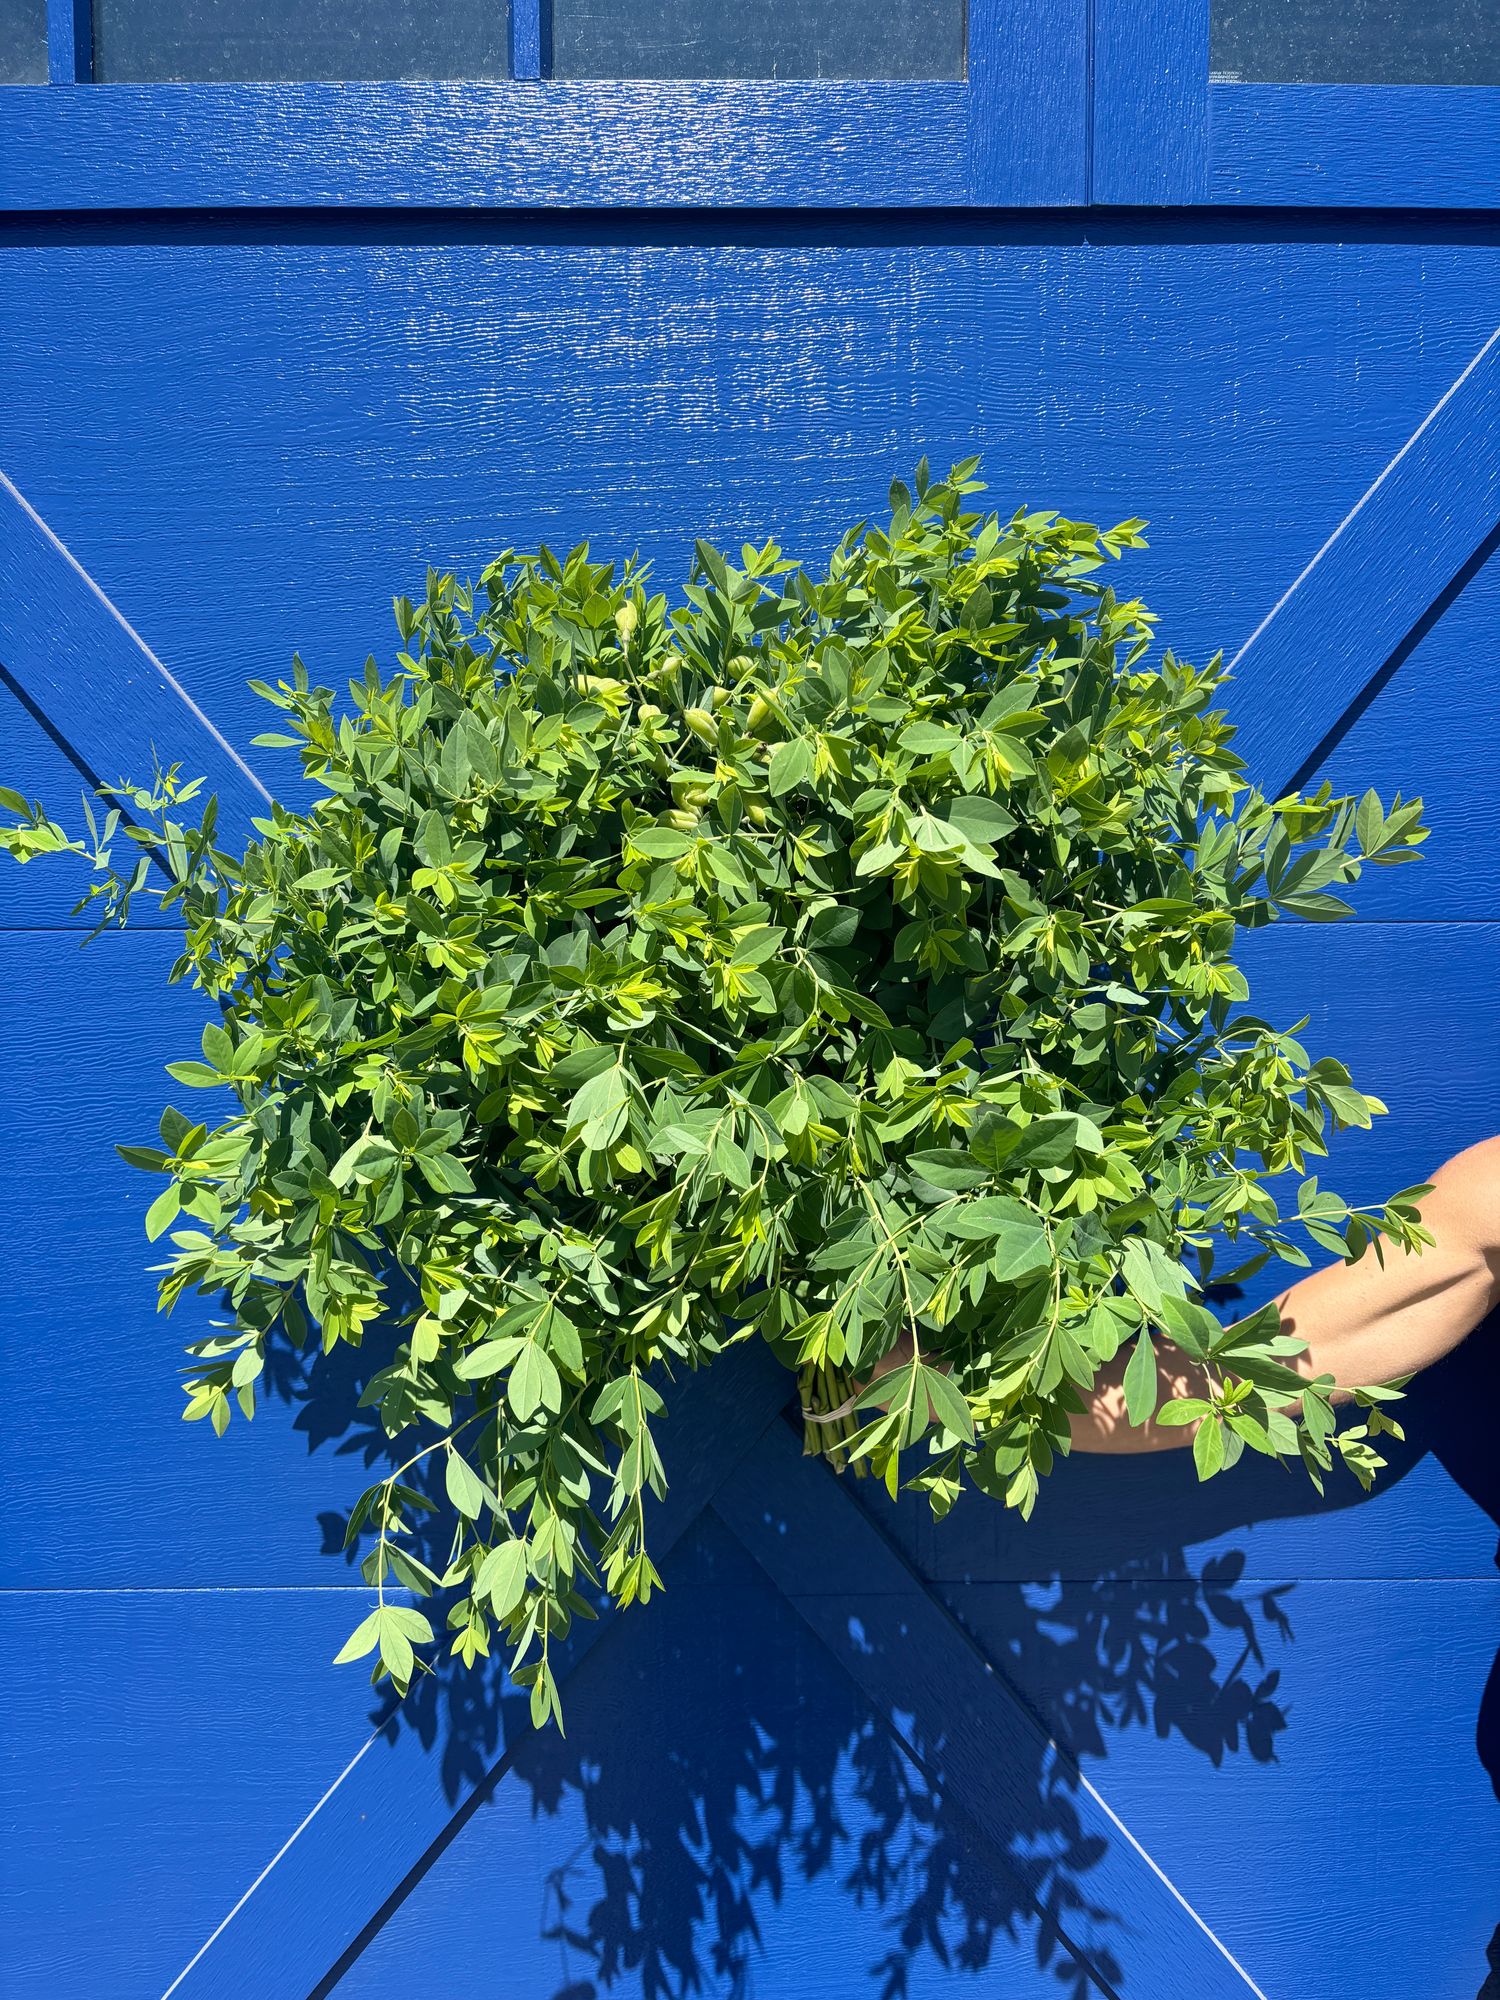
point(910, 1657)
point(1150, 127)
point(790, 1799)
point(69, 33)
point(137, 1497)
point(1018, 132)
point(1027, 92)
point(776, 1839)
point(1400, 735)
point(101, 688)
point(1298, 1754)
point(379, 1823)
point(1341, 145)
point(525, 40)
point(252, 439)
point(792, 144)
point(1377, 575)
point(1162, 133)
point(145, 1775)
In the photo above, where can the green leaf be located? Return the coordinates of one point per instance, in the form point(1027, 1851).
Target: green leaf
point(163, 1211)
point(489, 1357)
point(1021, 1250)
point(601, 1108)
point(833, 926)
point(560, 1337)
point(981, 1220)
point(791, 764)
point(464, 1489)
point(930, 739)
point(396, 1654)
point(980, 819)
point(1208, 1448)
point(407, 1620)
point(1152, 1273)
point(661, 842)
point(949, 1169)
point(1183, 1410)
point(1192, 1327)
point(534, 1383)
point(1140, 1380)
point(434, 844)
point(362, 1640)
point(952, 1410)
point(502, 1577)
point(198, 1076)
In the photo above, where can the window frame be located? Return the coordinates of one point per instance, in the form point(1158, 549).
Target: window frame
point(1013, 133)
point(1163, 134)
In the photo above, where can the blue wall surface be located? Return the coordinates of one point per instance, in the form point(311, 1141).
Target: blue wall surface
point(250, 432)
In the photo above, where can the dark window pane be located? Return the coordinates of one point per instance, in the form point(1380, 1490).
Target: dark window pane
point(298, 41)
point(1355, 41)
point(758, 38)
point(23, 41)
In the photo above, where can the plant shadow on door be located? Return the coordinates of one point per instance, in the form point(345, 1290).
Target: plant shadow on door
point(726, 1798)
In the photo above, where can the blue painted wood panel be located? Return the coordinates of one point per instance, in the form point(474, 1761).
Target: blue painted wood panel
point(1327, 145)
point(1162, 132)
point(166, 1509)
point(147, 1778)
point(786, 1844)
point(307, 413)
point(1012, 128)
point(250, 434)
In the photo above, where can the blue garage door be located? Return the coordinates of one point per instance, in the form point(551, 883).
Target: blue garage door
point(289, 318)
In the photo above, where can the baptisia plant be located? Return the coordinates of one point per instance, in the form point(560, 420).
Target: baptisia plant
point(838, 960)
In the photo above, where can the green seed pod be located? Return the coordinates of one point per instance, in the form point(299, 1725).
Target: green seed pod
point(601, 685)
point(763, 722)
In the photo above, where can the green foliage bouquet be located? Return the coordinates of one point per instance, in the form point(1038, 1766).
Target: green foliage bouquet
point(841, 962)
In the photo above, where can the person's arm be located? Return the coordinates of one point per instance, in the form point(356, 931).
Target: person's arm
point(1363, 1322)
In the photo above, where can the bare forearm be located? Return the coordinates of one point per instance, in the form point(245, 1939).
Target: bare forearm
point(1364, 1322)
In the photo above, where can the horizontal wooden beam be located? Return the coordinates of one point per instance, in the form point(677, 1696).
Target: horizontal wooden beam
point(966, 1727)
point(530, 145)
point(1375, 578)
point(92, 680)
point(391, 1808)
point(1339, 145)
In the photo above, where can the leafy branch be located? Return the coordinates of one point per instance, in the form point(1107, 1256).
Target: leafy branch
point(843, 960)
